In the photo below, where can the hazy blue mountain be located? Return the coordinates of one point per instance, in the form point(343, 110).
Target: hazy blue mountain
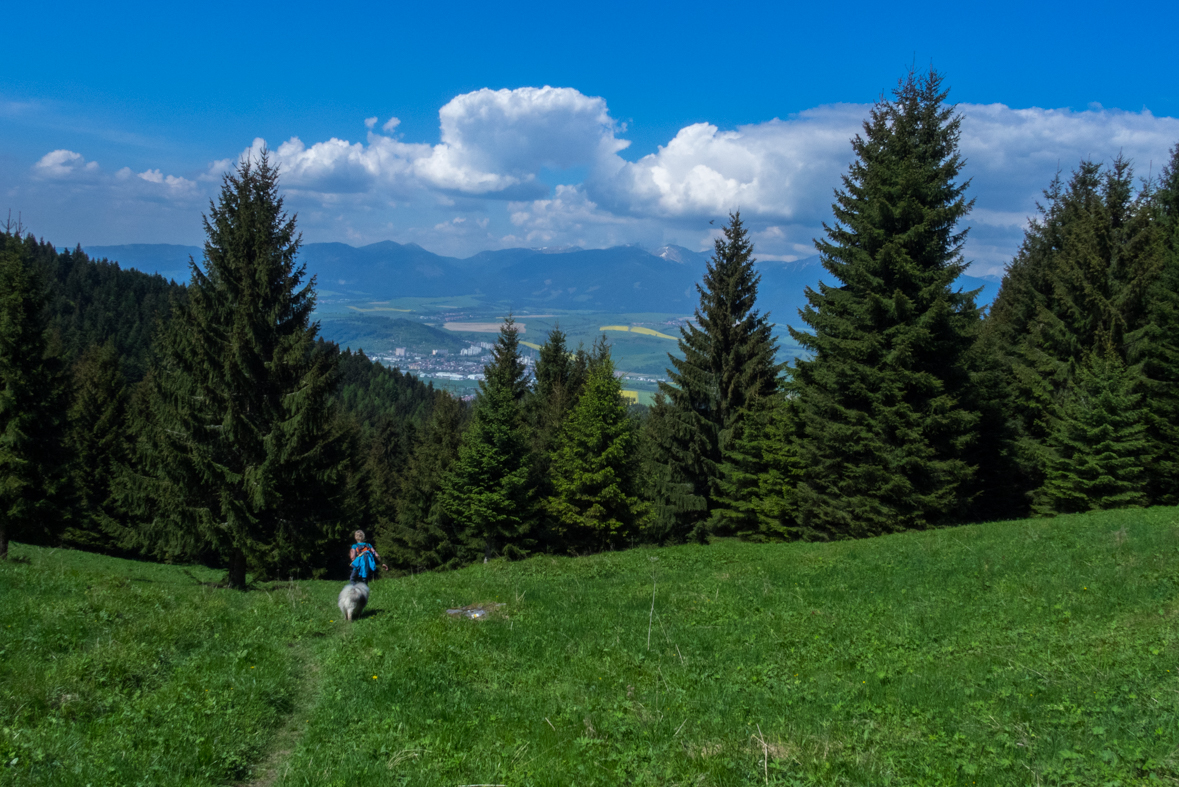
point(166, 259)
point(783, 286)
point(623, 278)
point(382, 270)
point(620, 279)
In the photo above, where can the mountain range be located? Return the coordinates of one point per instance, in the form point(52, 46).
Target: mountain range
point(617, 279)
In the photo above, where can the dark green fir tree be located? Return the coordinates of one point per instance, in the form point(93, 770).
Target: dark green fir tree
point(728, 365)
point(1154, 347)
point(488, 489)
point(560, 374)
point(883, 396)
point(36, 499)
point(760, 476)
point(1078, 285)
point(1096, 450)
point(100, 437)
point(559, 377)
point(243, 458)
point(594, 505)
point(424, 536)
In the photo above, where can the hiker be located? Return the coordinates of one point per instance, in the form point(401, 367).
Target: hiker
point(364, 560)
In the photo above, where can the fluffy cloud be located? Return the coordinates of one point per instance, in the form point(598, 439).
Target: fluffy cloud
point(787, 169)
point(338, 166)
point(781, 173)
point(483, 182)
point(493, 140)
point(63, 165)
point(172, 182)
point(1012, 154)
point(570, 217)
point(773, 170)
point(493, 143)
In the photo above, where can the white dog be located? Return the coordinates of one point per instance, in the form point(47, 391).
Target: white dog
point(352, 600)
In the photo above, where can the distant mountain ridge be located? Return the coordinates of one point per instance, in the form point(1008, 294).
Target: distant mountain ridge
point(617, 279)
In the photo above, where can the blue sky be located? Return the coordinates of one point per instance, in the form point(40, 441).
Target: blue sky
point(116, 121)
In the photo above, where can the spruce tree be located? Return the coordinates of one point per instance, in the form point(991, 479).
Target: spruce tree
point(99, 434)
point(488, 489)
point(728, 364)
point(243, 457)
point(36, 500)
point(560, 375)
point(882, 396)
point(594, 505)
point(759, 479)
point(1096, 450)
point(424, 536)
point(1078, 285)
point(1154, 347)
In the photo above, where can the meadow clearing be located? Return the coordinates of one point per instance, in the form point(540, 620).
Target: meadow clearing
point(1028, 652)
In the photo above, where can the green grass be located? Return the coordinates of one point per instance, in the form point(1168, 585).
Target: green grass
point(1033, 652)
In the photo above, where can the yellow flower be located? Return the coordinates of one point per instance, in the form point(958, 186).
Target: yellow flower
point(374, 677)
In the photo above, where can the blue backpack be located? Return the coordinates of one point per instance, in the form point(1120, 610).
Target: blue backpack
point(365, 564)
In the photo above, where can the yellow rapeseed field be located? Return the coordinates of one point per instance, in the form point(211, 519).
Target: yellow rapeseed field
point(636, 329)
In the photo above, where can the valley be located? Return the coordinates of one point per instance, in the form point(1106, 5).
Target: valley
point(389, 297)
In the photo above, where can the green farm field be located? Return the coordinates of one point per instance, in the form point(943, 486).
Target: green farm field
point(1028, 652)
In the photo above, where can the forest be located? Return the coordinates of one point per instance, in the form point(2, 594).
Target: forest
point(211, 423)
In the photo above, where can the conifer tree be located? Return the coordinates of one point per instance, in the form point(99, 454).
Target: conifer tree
point(883, 397)
point(98, 432)
point(760, 477)
point(594, 504)
point(35, 499)
point(1154, 347)
point(488, 489)
point(424, 535)
point(728, 364)
point(560, 375)
point(1096, 450)
point(1078, 285)
point(243, 457)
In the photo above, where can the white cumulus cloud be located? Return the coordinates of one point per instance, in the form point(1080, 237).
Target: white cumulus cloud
point(484, 179)
point(493, 140)
point(64, 164)
point(493, 143)
point(774, 169)
point(172, 182)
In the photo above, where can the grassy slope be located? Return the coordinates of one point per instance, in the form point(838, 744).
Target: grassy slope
point(1026, 652)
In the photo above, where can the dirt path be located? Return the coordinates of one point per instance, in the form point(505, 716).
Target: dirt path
point(275, 764)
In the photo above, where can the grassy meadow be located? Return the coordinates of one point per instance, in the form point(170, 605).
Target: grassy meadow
point(1030, 652)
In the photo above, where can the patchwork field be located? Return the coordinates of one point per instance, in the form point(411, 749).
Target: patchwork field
point(1030, 652)
point(481, 327)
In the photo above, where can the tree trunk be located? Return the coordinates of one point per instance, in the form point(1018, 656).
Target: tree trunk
point(3, 539)
point(237, 570)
